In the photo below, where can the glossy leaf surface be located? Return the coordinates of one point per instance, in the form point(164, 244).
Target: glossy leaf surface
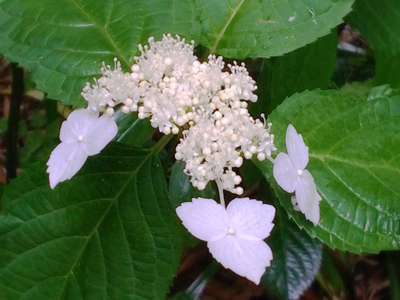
point(109, 233)
point(353, 145)
point(264, 28)
point(63, 43)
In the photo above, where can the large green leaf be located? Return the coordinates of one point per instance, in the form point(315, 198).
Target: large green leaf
point(354, 158)
point(309, 67)
point(109, 233)
point(297, 258)
point(264, 28)
point(64, 42)
point(379, 23)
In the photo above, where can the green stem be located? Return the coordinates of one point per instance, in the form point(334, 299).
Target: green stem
point(162, 143)
point(13, 120)
point(221, 192)
point(196, 288)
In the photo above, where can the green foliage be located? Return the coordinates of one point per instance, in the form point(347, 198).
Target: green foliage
point(63, 43)
point(309, 68)
point(355, 163)
point(379, 23)
point(132, 130)
point(109, 233)
point(297, 258)
point(240, 29)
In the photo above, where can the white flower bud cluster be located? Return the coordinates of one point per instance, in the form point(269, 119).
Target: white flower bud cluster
point(168, 84)
point(113, 88)
point(172, 88)
point(218, 142)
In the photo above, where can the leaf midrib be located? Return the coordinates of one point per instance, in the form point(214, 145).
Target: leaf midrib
point(95, 228)
point(220, 35)
point(104, 31)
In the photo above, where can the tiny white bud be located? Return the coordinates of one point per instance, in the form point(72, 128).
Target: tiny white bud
point(134, 107)
point(110, 111)
point(253, 98)
point(180, 121)
point(237, 179)
point(201, 186)
point(260, 156)
point(253, 149)
point(217, 115)
point(125, 109)
point(128, 102)
point(206, 151)
point(175, 130)
point(135, 68)
point(203, 172)
point(234, 137)
point(238, 162)
point(168, 61)
point(225, 121)
point(243, 112)
point(247, 155)
point(166, 130)
point(239, 190)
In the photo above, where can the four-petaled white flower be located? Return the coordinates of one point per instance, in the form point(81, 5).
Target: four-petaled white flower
point(234, 235)
point(83, 134)
point(290, 173)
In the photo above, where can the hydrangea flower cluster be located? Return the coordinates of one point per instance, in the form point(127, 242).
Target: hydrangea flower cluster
point(171, 87)
point(207, 103)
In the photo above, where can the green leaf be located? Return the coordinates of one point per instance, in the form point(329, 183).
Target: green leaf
point(297, 258)
point(63, 43)
point(239, 28)
point(354, 158)
point(309, 67)
point(387, 68)
point(379, 23)
point(109, 233)
point(132, 130)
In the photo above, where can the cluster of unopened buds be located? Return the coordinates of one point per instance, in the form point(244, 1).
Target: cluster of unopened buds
point(207, 104)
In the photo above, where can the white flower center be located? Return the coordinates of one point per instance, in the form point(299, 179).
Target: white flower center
point(80, 138)
point(231, 231)
point(299, 172)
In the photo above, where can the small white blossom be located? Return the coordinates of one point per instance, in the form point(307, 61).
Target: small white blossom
point(234, 235)
point(112, 88)
point(170, 56)
point(290, 173)
point(83, 134)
